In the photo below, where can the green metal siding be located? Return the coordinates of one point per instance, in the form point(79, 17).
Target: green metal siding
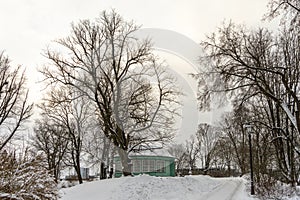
point(172, 168)
point(169, 165)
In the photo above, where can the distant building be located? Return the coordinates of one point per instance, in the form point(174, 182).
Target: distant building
point(85, 173)
point(154, 162)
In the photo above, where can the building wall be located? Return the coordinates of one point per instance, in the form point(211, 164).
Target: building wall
point(85, 173)
point(152, 165)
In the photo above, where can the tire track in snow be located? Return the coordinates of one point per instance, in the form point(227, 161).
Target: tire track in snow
point(224, 191)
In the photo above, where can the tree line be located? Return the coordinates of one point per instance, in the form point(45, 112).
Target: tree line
point(258, 71)
point(108, 93)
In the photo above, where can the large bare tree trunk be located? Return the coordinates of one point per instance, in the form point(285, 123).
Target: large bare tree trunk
point(126, 162)
point(77, 168)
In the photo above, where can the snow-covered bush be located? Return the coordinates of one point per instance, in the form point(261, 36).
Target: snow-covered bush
point(25, 178)
point(268, 188)
point(66, 184)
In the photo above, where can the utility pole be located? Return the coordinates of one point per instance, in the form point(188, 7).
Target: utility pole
point(248, 129)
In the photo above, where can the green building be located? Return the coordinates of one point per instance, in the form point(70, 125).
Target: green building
point(154, 162)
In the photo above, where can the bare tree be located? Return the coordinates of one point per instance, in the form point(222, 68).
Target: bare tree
point(254, 63)
point(258, 66)
point(180, 154)
point(252, 112)
point(208, 137)
point(51, 138)
point(71, 117)
point(232, 125)
point(14, 107)
point(224, 158)
point(134, 96)
point(289, 9)
point(193, 151)
point(100, 151)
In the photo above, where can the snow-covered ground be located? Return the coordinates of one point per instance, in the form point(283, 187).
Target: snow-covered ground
point(146, 187)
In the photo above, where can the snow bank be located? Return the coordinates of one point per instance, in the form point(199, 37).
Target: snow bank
point(146, 187)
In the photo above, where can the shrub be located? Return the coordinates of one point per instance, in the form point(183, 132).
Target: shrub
point(270, 188)
point(25, 178)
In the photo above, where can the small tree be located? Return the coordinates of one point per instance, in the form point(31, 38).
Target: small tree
point(208, 137)
point(68, 117)
point(52, 139)
point(193, 151)
point(180, 154)
point(25, 178)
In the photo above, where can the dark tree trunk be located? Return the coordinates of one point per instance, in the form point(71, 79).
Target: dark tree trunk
point(207, 163)
point(77, 168)
point(76, 164)
point(103, 171)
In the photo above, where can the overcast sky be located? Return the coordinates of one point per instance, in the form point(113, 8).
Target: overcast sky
point(28, 26)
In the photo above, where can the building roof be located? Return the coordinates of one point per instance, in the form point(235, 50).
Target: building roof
point(151, 152)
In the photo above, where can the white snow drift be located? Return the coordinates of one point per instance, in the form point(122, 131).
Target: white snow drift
point(159, 188)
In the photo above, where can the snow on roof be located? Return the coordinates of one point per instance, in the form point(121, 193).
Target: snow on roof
point(151, 152)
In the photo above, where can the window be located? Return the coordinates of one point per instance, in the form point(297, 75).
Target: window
point(151, 165)
point(118, 166)
point(160, 166)
point(136, 165)
point(146, 165)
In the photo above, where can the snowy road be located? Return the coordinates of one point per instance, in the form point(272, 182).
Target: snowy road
point(158, 188)
point(228, 189)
